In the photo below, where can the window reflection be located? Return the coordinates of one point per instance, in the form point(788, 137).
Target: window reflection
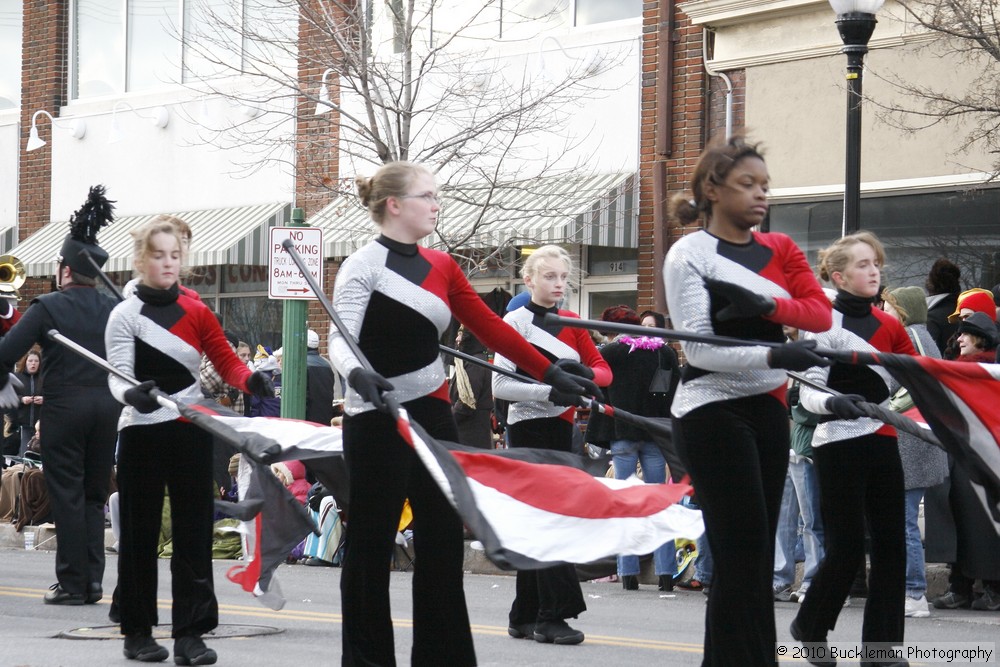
point(100, 41)
point(153, 45)
point(10, 55)
point(600, 11)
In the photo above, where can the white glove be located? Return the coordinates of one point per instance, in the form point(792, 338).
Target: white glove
point(8, 393)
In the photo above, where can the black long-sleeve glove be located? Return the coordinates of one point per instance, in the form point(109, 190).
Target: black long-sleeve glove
point(742, 302)
point(140, 399)
point(568, 383)
point(370, 386)
point(845, 406)
point(796, 356)
point(260, 385)
point(557, 397)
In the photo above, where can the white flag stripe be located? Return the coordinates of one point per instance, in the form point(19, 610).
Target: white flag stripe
point(549, 537)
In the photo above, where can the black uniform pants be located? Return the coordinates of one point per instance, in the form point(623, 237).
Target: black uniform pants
point(175, 456)
point(384, 471)
point(859, 479)
point(736, 452)
point(78, 450)
point(552, 593)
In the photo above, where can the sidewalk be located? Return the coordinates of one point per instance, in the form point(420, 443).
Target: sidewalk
point(475, 560)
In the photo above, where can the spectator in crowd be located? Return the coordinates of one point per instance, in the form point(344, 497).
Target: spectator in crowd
point(471, 393)
point(637, 363)
point(857, 458)
point(975, 300)
point(540, 416)
point(160, 334)
point(651, 318)
point(268, 406)
point(30, 409)
point(799, 503)
point(959, 531)
point(319, 383)
point(244, 353)
point(214, 387)
point(943, 288)
point(924, 465)
point(731, 427)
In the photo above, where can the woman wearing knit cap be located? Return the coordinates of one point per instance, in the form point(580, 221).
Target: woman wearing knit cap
point(970, 545)
point(924, 465)
point(975, 300)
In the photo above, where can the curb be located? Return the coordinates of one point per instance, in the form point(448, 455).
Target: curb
point(475, 561)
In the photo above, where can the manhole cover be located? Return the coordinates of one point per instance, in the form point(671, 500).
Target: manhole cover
point(163, 632)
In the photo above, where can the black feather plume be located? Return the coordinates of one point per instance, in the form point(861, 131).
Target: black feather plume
point(95, 213)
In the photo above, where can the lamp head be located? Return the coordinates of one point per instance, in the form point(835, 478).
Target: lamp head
point(856, 6)
point(34, 141)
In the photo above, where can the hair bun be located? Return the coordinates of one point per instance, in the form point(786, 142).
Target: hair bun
point(364, 185)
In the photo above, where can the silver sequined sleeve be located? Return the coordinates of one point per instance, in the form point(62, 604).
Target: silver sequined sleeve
point(734, 372)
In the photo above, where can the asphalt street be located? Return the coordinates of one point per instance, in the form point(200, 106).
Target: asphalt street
point(622, 627)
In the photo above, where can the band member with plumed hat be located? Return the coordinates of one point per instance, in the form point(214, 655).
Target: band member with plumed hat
point(77, 444)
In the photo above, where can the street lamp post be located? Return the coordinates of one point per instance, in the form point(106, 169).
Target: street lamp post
point(856, 23)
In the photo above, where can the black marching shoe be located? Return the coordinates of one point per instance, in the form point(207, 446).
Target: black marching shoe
point(666, 582)
point(818, 651)
point(144, 649)
point(557, 632)
point(630, 582)
point(57, 595)
point(522, 631)
point(191, 650)
point(95, 593)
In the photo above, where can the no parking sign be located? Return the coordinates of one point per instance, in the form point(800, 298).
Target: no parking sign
point(285, 281)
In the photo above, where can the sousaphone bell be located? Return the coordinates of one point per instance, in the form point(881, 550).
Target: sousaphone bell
point(12, 276)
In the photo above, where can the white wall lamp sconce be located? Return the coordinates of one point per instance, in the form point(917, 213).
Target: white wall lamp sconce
point(158, 116)
point(324, 104)
point(77, 126)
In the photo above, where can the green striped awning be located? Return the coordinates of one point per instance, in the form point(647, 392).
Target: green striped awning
point(599, 210)
point(219, 236)
point(8, 239)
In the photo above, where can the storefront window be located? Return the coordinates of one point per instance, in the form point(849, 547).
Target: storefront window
point(963, 226)
point(254, 319)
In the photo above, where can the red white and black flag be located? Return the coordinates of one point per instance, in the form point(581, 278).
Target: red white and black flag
point(530, 508)
point(959, 402)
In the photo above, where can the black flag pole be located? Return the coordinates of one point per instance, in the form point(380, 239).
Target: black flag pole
point(648, 423)
point(260, 449)
point(871, 410)
point(102, 275)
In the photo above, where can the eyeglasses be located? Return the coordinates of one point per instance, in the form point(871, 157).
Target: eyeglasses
point(428, 197)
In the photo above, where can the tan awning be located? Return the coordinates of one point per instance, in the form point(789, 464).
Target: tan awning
point(219, 236)
point(597, 210)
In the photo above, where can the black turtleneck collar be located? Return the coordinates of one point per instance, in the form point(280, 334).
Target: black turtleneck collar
point(408, 249)
point(540, 310)
point(539, 317)
point(157, 297)
point(852, 305)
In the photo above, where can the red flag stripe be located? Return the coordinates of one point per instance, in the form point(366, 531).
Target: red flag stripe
point(580, 495)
